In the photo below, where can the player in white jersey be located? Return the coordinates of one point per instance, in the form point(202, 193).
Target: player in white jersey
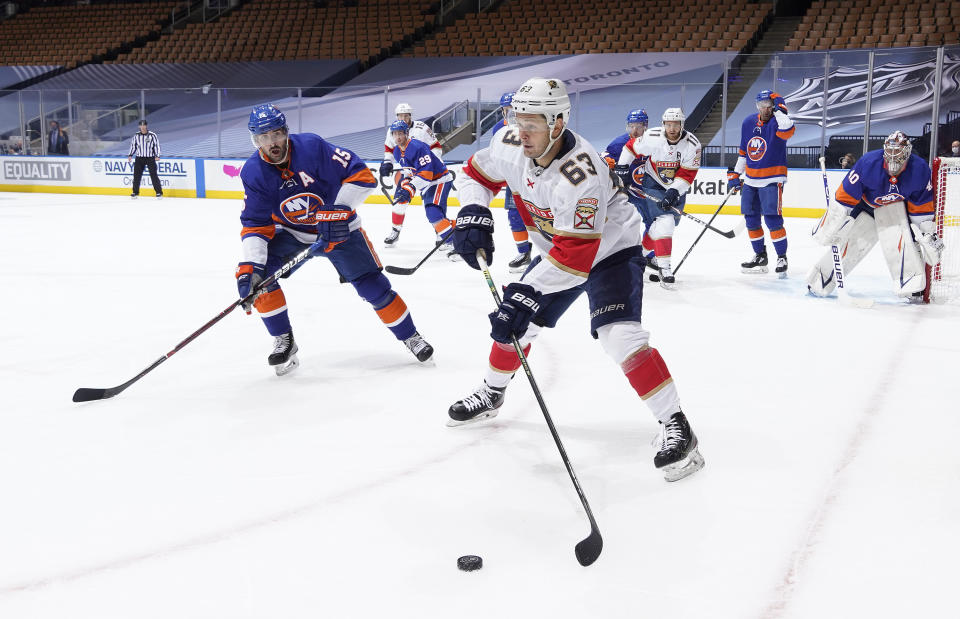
point(587, 233)
point(673, 159)
point(418, 131)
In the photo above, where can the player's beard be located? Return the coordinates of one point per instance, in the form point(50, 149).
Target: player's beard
point(277, 153)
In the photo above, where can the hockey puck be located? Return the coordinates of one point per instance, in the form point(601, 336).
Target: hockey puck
point(469, 563)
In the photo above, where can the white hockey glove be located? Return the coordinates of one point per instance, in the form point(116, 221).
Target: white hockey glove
point(931, 245)
point(833, 226)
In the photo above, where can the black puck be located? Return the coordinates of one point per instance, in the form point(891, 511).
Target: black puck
point(469, 563)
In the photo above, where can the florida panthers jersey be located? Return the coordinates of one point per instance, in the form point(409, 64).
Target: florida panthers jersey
point(668, 164)
point(573, 208)
point(763, 149)
point(421, 165)
point(612, 155)
point(869, 181)
point(419, 131)
point(289, 197)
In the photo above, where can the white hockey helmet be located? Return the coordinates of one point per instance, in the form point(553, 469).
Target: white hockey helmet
point(547, 96)
point(896, 152)
point(674, 114)
point(403, 108)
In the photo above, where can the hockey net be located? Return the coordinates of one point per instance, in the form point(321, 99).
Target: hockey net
point(943, 280)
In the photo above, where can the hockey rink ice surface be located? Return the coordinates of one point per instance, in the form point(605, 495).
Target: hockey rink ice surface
point(214, 489)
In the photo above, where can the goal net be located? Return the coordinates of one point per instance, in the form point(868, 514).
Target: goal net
point(943, 280)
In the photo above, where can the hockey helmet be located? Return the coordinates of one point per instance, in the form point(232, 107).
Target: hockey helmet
point(506, 99)
point(545, 96)
point(765, 98)
point(674, 114)
point(399, 125)
point(896, 152)
point(403, 108)
point(638, 116)
point(266, 117)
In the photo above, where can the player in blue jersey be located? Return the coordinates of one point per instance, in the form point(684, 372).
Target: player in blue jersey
point(637, 123)
point(424, 172)
point(520, 235)
point(888, 198)
point(299, 192)
point(763, 157)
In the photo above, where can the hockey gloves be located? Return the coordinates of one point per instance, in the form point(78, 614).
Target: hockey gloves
point(779, 102)
point(333, 227)
point(623, 173)
point(670, 199)
point(734, 182)
point(931, 245)
point(520, 303)
point(385, 168)
point(404, 192)
point(249, 276)
point(473, 231)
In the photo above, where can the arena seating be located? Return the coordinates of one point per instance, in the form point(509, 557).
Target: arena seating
point(836, 24)
point(537, 27)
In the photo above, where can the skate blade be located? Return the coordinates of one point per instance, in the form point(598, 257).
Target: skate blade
point(454, 257)
point(285, 368)
point(453, 423)
point(684, 468)
point(755, 270)
point(668, 286)
point(782, 275)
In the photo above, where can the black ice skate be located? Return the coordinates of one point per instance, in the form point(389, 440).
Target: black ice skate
point(479, 405)
point(664, 276)
point(284, 356)
point(757, 264)
point(520, 263)
point(781, 268)
point(678, 455)
point(419, 347)
point(391, 239)
point(159, 195)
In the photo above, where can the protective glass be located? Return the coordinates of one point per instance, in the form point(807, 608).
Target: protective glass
point(636, 126)
point(529, 123)
point(765, 104)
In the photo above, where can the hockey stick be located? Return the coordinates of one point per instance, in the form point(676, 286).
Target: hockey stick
point(727, 234)
point(704, 231)
point(85, 394)
point(842, 294)
point(384, 189)
point(411, 270)
point(587, 550)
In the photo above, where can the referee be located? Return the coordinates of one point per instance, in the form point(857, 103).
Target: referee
point(145, 148)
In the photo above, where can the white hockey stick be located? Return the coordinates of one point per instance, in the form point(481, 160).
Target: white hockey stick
point(842, 293)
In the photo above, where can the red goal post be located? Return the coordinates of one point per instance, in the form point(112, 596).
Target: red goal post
point(943, 280)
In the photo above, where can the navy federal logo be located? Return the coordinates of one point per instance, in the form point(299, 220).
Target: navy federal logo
point(301, 209)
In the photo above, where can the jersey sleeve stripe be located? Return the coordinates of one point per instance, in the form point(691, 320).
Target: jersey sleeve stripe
point(845, 198)
point(920, 209)
point(687, 174)
point(387, 149)
point(574, 255)
point(474, 172)
point(265, 232)
point(786, 135)
point(363, 177)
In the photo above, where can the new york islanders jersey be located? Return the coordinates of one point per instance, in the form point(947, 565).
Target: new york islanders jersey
point(869, 181)
point(421, 165)
point(612, 155)
point(419, 131)
point(669, 165)
point(573, 208)
point(763, 149)
point(289, 197)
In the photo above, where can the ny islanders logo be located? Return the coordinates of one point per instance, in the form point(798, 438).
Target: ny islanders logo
point(301, 209)
point(756, 148)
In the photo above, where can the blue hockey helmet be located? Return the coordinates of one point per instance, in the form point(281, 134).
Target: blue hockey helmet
point(765, 95)
point(638, 116)
point(399, 125)
point(266, 117)
point(506, 99)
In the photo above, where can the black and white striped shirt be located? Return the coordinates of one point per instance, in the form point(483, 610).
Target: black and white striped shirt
point(145, 145)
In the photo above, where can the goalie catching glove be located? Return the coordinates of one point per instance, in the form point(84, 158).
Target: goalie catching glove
point(931, 245)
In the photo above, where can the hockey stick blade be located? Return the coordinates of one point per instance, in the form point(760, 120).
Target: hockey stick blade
point(84, 394)
point(411, 270)
point(399, 270)
point(588, 550)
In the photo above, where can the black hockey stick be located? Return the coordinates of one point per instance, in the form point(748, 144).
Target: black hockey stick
point(411, 270)
point(704, 231)
point(727, 234)
point(385, 190)
point(587, 550)
point(85, 394)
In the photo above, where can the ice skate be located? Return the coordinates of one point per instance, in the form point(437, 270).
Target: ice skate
point(479, 405)
point(391, 239)
point(284, 356)
point(678, 456)
point(159, 195)
point(520, 263)
point(133, 196)
point(757, 264)
point(667, 280)
point(419, 347)
point(781, 268)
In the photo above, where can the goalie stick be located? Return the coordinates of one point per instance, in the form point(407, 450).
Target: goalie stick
point(85, 394)
point(842, 294)
point(588, 549)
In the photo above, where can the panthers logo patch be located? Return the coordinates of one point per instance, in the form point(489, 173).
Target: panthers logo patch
point(301, 209)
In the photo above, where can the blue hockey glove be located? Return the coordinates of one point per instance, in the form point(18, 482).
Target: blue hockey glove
point(249, 275)
point(520, 303)
point(473, 231)
point(779, 101)
point(333, 227)
point(386, 168)
point(623, 173)
point(734, 182)
point(404, 192)
point(670, 199)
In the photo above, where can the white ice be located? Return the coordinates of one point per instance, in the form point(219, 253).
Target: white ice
point(214, 489)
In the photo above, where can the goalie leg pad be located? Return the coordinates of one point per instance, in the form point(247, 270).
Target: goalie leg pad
point(903, 259)
point(860, 240)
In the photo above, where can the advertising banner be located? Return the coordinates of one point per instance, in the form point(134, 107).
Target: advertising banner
point(94, 175)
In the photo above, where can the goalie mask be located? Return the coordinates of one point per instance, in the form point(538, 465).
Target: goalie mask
point(544, 96)
point(896, 152)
